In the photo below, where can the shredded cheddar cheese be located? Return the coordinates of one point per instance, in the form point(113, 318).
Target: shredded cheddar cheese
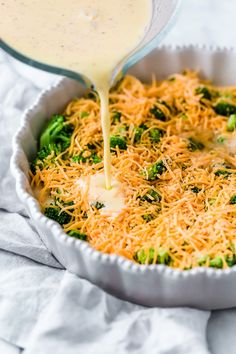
point(185, 207)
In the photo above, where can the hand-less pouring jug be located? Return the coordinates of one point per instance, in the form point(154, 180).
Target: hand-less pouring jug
point(163, 14)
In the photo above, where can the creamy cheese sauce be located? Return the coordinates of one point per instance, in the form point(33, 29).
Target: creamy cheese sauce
point(93, 189)
point(84, 36)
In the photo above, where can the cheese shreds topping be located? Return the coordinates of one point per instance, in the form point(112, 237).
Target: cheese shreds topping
point(173, 157)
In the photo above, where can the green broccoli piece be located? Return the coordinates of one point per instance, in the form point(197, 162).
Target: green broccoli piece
point(120, 141)
point(202, 260)
point(116, 117)
point(224, 108)
point(143, 257)
point(224, 171)
point(55, 213)
point(233, 199)
point(95, 158)
point(140, 257)
point(57, 134)
point(151, 197)
point(188, 268)
point(164, 103)
point(195, 145)
point(195, 190)
point(154, 170)
point(79, 158)
point(155, 135)
point(158, 113)
point(231, 124)
point(204, 91)
point(40, 158)
point(163, 257)
point(77, 234)
point(98, 205)
point(230, 260)
point(138, 132)
point(220, 139)
point(44, 152)
point(147, 217)
point(67, 203)
point(216, 262)
point(84, 114)
point(91, 146)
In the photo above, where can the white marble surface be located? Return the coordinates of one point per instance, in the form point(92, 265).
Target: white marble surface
point(209, 22)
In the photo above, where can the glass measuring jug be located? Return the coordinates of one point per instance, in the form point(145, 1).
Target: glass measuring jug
point(163, 15)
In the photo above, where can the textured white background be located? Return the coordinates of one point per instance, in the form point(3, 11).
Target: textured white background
point(210, 22)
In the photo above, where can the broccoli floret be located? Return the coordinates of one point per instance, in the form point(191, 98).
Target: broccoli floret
point(84, 114)
point(204, 91)
point(120, 141)
point(155, 135)
point(44, 152)
point(157, 113)
point(40, 158)
point(233, 199)
point(147, 217)
point(138, 132)
point(188, 268)
point(202, 260)
point(57, 133)
point(93, 158)
point(224, 108)
point(140, 257)
point(55, 213)
point(195, 190)
point(216, 262)
point(220, 139)
point(98, 205)
point(230, 260)
point(224, 171)
point(79, 158)
point(154, 170)
point(77, 234)
point(231, 124)
point(164, 103)
point(122, 130)
point(151, 197)
point(163, 257)
point(91, 146)
point(54, 126)
point(143, 257)
point(195, 145)
point(116, 117)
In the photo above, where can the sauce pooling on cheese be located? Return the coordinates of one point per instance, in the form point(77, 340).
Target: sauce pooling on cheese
point(85, 36)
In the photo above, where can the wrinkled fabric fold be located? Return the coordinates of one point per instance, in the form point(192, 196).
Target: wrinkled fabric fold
point(102, 322)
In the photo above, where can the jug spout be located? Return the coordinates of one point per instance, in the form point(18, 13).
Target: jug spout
point(164, 14)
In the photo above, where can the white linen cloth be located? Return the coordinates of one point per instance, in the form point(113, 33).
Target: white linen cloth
point(43, 308)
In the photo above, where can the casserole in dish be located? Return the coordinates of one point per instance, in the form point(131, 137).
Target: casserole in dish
point(155, 285)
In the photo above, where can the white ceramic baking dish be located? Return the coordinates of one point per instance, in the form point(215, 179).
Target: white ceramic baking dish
point(155, 285)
